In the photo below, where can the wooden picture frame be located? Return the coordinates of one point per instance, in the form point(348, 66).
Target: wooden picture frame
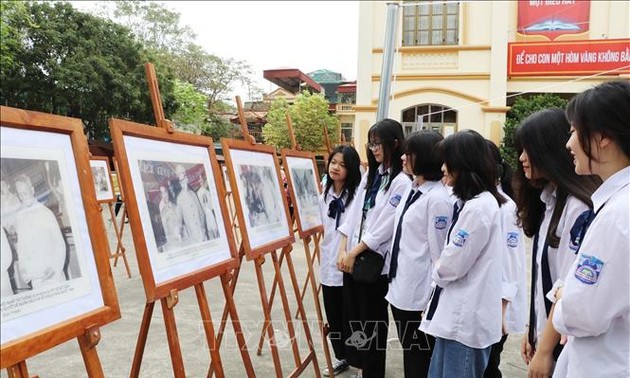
point(102, 179)
point(45, 157)
point(162, 175)
point(304, 188)
point(261, 205)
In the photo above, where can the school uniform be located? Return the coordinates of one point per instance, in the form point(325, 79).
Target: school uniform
point(464, 313)
point(421, 232)
point(551, 264)
point(594, 310)
point(514, 283)
point(333, 212)
point(365, 308)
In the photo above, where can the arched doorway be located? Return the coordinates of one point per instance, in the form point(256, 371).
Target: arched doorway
point(430, 117)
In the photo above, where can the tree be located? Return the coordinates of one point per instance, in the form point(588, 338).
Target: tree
point(309, 114)
point(522, 108)
point(75, 64)
point(191, 113)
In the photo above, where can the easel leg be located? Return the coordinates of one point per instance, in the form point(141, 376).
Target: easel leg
point(267, 313)
point(142, 340)
point(236, 323)
point(87, 343)
point(285, 302)
point(307, 331)
point(226, 309)
point(272, 296)
point(311, 265)
point(173, 339)
point(120, 249)
point(208, 327)
point(18, 370)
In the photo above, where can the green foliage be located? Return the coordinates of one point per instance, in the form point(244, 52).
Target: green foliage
point(309, 114)
point(75, 64)
point(191, 113)
point(522, 108)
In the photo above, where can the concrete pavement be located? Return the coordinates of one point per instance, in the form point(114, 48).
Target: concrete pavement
point(117, 344)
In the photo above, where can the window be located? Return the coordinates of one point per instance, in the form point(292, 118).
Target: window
point(435, 117)
point(430, 23)
point(346, 131)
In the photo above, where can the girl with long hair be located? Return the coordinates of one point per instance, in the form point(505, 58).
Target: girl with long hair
point(550, 196)
point(370, 226)
point(514, 283)
point(464, 313)
point(594, 305)
point(342, 180)
point(420, 230)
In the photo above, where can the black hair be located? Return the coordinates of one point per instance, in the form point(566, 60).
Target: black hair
point(352, 161)
point(427, 160)
point(391, 135)
point(543, 135)
point(504, 171)
point(604, 110)
point(468, 160)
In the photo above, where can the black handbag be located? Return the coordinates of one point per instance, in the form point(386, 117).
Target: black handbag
point(367, 267)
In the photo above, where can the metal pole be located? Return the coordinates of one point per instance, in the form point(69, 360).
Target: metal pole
point(388, 60)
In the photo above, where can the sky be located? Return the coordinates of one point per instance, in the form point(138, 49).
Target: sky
point(307, 35)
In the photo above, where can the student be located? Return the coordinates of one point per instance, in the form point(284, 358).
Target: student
point(342, 180)
point(550, 197)
point(514, 284)
point(370, 225)
point(422, 221)
point(464, 313)
point(594, 306)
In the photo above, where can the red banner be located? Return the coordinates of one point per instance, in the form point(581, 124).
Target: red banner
point(569, 58)
point(553, 18)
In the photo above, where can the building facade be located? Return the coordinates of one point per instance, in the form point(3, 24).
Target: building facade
point(459, 65)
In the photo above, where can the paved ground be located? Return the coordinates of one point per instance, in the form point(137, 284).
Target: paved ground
point(119, 338)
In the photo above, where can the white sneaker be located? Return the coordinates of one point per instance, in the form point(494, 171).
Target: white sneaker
point(339, 366)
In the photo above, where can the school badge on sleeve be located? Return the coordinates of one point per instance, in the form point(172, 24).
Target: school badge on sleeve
point(461, 237)
point(512, 239)
point(588, 269)
point(440, 222)
point(395, 200)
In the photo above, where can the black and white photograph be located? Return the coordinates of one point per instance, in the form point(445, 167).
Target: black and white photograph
point(102, 180)
point(303, 182)
point(178, 205)
point(261, 196)
point(43, 242)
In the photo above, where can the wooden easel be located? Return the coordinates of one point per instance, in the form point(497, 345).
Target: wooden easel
point(169, 301)
point(121, 251)
point(87, 344)
point(310, 276)
point(300, 364)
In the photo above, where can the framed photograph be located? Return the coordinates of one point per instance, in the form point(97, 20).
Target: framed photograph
point(102, 178)
point(304, 188)
point(261, 206)
point(178, 217)
point(56, 279)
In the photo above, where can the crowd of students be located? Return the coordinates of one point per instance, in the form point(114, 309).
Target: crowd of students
point(449, 218)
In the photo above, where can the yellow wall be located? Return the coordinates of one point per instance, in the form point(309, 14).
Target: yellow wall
point(470, 77)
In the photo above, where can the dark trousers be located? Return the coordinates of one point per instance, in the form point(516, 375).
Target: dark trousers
point(417, 346)
point(366, 323)
point(492, 370)
point(333, 305)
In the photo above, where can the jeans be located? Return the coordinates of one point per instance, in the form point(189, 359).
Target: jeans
point(453, 359)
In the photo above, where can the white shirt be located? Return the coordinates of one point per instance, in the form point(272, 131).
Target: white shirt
point(469, 273)
point(514, 282)
point(423, 232)
point(560, 259)
point(378, 226)
point(329, 274)
point(595, 306)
